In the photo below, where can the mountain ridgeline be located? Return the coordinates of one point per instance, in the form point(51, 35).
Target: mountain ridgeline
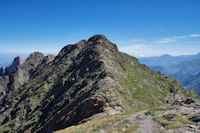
point(48, 93)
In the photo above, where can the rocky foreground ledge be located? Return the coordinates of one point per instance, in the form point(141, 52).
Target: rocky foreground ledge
point(177, 118)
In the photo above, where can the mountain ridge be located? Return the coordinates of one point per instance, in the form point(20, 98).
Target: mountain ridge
point(84, 79)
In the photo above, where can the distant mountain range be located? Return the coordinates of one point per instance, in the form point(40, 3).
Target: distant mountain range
point(167, 59)
point(185, 68)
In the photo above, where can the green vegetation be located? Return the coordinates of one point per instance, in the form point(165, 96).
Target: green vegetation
point(168, 116)
point(97, 51)
point(173, 121)
point(159, 78)
point(136, 79)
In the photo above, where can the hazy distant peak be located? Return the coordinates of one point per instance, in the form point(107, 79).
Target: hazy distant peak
point(166, 55)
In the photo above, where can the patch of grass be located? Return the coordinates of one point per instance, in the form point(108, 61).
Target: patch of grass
point(85, 88)
point(172, 121)
point(132, 129)
point(191, 130)
point(165, 123)
point(159, 78)
point(174, 126)
point(123, 124)
point(189, 115)
point(168, 116)
point(97, 51)
point(156, 119)
point(6, 126)
point(182, 119)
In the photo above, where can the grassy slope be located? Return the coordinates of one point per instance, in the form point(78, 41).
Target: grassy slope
point(142, 87)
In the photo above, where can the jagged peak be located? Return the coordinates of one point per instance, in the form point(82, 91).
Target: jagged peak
point(49, 58)
point(35, 58)
point(34, 55)
point(18, 60)
point(94, 40)
point(103, 41)
point(9, 69)
point(97, 37)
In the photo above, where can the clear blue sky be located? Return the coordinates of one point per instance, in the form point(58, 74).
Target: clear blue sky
point(138, 27)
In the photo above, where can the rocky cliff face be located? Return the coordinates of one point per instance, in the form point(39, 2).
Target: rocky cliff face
point(5, 72)
point(24, 71)
point(91, 77)
point(8, 70)
point(17, 61)
point(3, 86)
point(2, 71)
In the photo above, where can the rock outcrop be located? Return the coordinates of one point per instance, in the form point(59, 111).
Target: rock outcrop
point(17, 61)
point(2, 71)
point(3, 86)
point(91, 77)
point(8, 70)
point(24, 71)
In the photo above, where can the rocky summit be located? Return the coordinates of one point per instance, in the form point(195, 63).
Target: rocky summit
point(8, 70)
point(86, 85)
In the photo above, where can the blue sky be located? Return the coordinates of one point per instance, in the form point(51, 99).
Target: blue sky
point(138, 27)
